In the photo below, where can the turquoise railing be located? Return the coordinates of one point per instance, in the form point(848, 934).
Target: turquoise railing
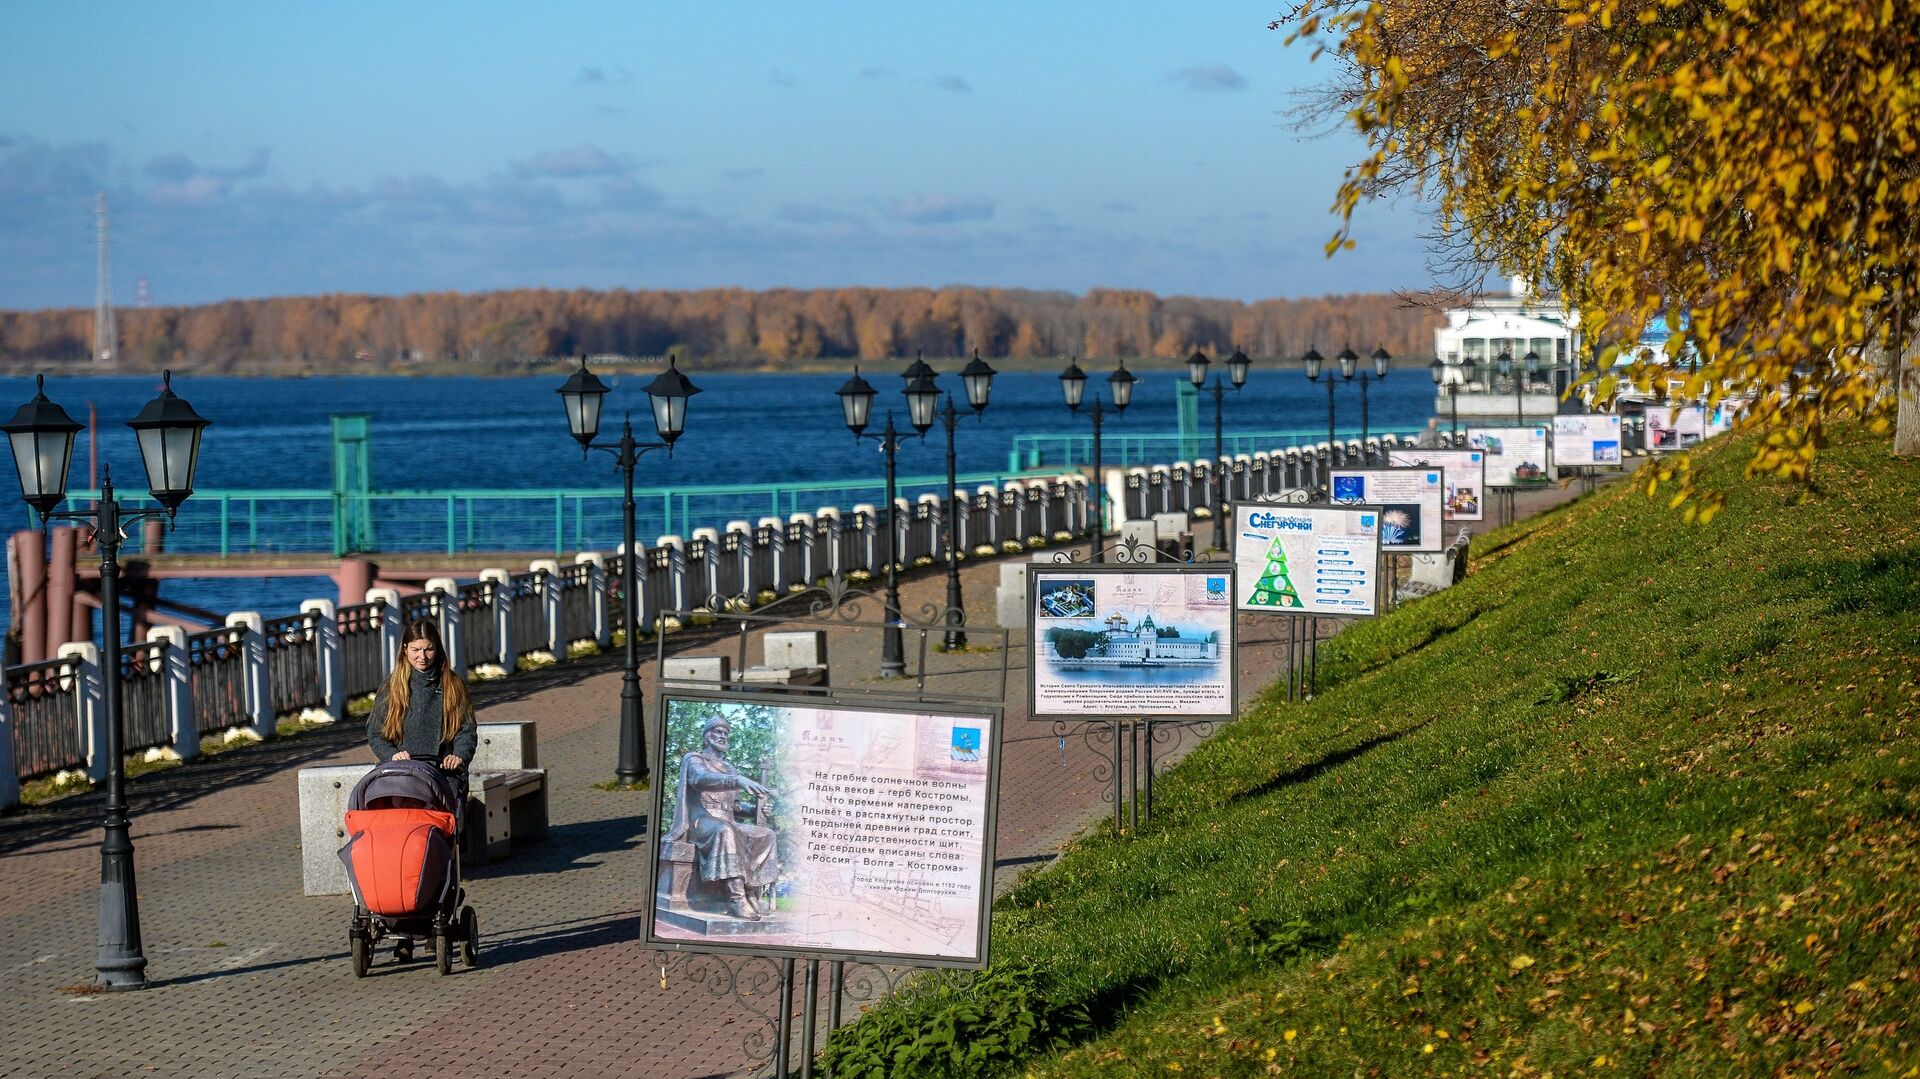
point(313, 521)
point(1054, 451)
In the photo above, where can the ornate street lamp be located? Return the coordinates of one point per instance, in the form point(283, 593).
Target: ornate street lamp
point(856, 406)
point(583, 394)
point(41, 437)
point(1313, 362)
point(1381, 363)
point(1237, 366)
point(977, 377)
point(1073, 388)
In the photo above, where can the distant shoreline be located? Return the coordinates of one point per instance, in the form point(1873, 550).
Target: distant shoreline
point(80, 368)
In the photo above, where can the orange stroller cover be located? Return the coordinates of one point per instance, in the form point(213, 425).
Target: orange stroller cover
point(400, 861)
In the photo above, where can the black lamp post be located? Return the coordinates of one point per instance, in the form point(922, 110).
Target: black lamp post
point(1532, 364)
point(1451, 379)
point(1237, 365)
point(1313, 361)
point(977, 377)
point(1381, 362)
point(856, 405)
point(1073, 387)
point(668, 393)
point(41, 436)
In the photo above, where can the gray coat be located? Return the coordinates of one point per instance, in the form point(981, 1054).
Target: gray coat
point(420, 730)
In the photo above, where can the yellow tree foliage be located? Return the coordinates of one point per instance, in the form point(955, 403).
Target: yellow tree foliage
point(1746, 168)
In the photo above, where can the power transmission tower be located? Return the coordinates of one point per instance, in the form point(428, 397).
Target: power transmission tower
point(106, 337)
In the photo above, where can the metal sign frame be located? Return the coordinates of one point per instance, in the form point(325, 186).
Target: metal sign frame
point(996, 718)
point(1241, 522)
point(1229, 647)
point(1432, 543)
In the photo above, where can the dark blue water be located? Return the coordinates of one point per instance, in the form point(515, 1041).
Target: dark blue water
point(510, 433)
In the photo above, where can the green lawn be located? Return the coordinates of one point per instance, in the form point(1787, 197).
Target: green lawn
point(1637, 797)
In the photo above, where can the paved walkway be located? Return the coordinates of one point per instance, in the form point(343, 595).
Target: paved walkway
point(250, 978)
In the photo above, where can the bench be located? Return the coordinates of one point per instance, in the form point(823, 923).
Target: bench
point(506, 797)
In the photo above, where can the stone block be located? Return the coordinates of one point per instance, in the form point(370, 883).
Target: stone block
point(506, 746)
point(1172, 526)
point(695, 672)
point(323, 815)
point(796, 648)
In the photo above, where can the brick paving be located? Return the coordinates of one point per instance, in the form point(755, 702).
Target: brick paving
point(250, 978)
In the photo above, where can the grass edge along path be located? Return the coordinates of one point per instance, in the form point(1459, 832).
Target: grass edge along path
point(1638, 796)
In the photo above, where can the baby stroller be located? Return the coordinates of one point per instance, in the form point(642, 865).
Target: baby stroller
point(403, 860)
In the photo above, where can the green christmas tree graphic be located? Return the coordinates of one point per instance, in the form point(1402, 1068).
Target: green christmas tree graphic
point(1275, 586)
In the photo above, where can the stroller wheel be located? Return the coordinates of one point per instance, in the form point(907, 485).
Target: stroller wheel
point(362, 949)
point(469, 938)
point(443, 951)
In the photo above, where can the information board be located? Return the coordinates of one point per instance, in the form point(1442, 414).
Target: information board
point(821, 829)
point(1516, 456)
point(1142, 641)
point(1674, 429)
point(1409, 499)
point(1586, 440)
point(1306, 559)
point(1463, 472)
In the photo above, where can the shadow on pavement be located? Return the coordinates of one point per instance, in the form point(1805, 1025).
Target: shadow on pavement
point(567, 846)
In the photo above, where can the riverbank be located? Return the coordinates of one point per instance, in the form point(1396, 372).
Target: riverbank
point(1637, 795)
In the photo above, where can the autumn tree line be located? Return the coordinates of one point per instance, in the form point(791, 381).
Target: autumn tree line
point(723, 327)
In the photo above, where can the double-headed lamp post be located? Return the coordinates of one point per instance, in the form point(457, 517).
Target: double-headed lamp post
point(1073, 386)
point(1381, 363)
point(583, 393)
point(856, 406)
point(1451, 379)
point(977, 377)
point(1313, 362)
point(1237, 365)
point(1532, 364)
point(41, 436)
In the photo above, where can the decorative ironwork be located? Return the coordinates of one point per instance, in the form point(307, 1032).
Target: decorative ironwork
point(45, 700)
point(217, 662)
point(143, 695)
point(293, 664)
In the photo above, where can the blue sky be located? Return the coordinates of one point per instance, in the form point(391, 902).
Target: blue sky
point(255, 149)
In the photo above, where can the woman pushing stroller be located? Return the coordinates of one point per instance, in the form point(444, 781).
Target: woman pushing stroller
point(422, 711)
point(403, 817)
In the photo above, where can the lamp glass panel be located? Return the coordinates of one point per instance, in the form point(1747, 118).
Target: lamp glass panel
point(1122, 388)
point(1073, 385)
point(583, 414)
point(856, 407)
point(1197, 369)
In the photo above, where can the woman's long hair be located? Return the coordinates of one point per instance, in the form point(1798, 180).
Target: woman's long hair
point(454, 705)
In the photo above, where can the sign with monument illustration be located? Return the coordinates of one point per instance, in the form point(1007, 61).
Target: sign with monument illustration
point(1146, 641)
point(823, 829)
point(1410, 501)
point(1306, 559)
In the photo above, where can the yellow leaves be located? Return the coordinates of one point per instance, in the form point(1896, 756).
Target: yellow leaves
point(1290, 1035)
point(1519, 963)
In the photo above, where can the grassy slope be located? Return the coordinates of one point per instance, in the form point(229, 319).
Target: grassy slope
point(1638, 796)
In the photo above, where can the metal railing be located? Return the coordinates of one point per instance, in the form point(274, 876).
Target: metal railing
point(363, 658)
point(479, 626)
point(527, 612)
point(288, 520)
point(576, 603)
point(143, 695)
point(217, 666)
point(293, 664)
point(46, 717)
point(1049, 451)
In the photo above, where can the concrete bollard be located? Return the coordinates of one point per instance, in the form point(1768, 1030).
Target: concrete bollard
point(179, 687)
point(502, 618)
point(9, 772)
point(253, 647)
point(449, 608)
point(550, 588)
point(602, 628)
point(89, 702)
point(389, 601)
point(695, 672)
point(324, 792)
